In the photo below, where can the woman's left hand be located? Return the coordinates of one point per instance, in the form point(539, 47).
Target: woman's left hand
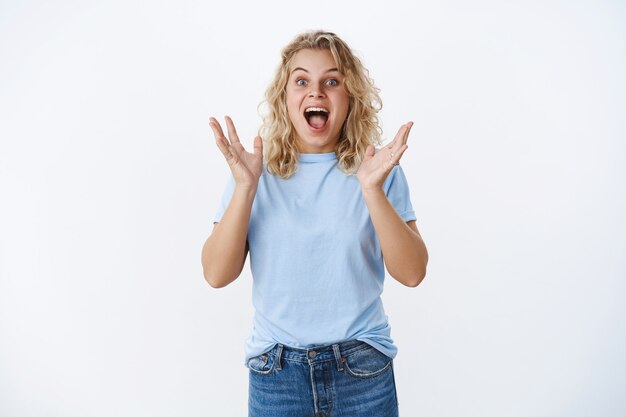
point(377, 165)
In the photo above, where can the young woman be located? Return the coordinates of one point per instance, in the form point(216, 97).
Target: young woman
point(322, 214)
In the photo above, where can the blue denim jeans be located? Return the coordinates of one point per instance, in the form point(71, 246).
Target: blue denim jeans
point(346, 379)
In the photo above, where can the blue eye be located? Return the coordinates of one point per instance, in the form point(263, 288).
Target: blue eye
point(332, 83)
point(300, 82)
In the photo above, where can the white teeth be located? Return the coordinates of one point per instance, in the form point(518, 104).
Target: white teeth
point(315, 109)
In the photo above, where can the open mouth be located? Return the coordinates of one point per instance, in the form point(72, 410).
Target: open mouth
point(316, 117)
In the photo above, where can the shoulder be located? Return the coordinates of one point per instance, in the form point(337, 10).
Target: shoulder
point(396, 178)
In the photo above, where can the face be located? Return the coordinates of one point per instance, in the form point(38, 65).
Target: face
point(317, 101)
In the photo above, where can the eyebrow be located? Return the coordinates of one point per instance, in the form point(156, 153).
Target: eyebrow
point(302, 69)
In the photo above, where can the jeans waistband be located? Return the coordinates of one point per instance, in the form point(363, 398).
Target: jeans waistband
point(316, 354)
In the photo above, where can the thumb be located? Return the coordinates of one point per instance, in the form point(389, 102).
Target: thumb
point(369, 153)
point(258, 146)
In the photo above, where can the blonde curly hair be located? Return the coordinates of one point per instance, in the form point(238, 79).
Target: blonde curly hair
point(361, 127)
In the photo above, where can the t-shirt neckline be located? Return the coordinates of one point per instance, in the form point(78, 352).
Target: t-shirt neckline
point(317, 157)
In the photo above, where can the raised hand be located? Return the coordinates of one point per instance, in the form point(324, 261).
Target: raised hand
point(377, 165)
point(245, 166)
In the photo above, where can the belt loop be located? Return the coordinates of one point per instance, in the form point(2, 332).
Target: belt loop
point(279, 354)
point(338, 357)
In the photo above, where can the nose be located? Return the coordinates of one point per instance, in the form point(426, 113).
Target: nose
point(316, 91)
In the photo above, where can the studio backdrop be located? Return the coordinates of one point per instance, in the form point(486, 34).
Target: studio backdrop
point(109, 180)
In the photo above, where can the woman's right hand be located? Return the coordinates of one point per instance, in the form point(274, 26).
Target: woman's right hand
point(246, 167)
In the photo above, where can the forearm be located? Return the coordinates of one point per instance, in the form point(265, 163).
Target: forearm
point(404, 251)
point(224, 252)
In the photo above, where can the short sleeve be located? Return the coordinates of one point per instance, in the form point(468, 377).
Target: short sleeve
point(397, 190)
point(226, 196)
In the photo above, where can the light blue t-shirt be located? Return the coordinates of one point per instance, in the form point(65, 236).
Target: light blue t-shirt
point(315, 258)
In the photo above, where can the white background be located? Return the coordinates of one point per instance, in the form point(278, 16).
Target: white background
point(109, 180)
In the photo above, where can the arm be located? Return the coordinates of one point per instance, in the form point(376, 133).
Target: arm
point(224, 252)
point(404, 251)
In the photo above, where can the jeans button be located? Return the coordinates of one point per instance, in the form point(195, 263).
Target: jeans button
point(312, 354)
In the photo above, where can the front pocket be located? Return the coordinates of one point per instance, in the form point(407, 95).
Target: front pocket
point(262, 364)
point(367, 363)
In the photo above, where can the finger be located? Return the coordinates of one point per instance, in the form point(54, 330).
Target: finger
point(216, 127)
point(258, 146)
point(396, 144)
point(220, 139)
point(403, 134)
point(407, 132)
point(395, 159)
point(397, 140)
point(224, 147)
point(400, 139)
point(232, 132)
point(369, 153)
